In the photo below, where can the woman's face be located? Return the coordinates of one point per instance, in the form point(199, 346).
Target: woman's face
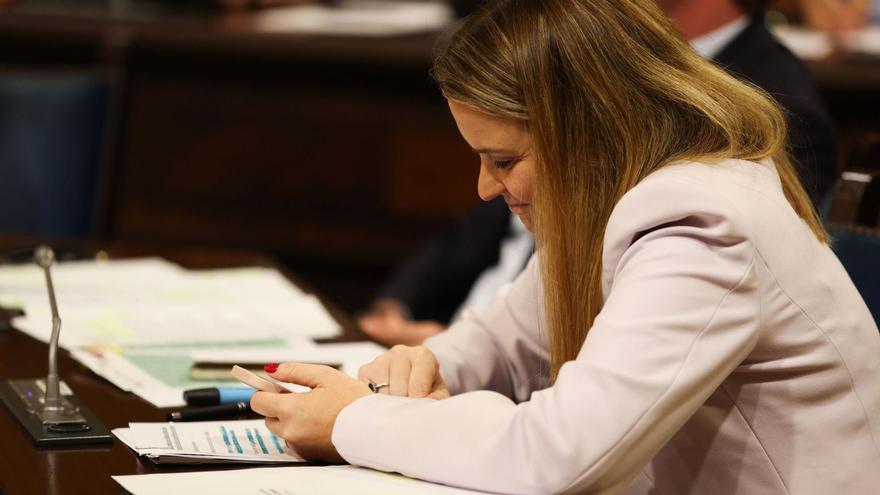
point(507, 166)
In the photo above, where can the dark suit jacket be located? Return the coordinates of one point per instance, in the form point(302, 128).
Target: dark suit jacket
point(436, 281)
point(757, 57)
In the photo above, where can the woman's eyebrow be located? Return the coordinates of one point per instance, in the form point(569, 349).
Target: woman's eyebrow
point(492, 151)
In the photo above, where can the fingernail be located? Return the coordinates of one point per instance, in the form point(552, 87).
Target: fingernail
point(271, 367)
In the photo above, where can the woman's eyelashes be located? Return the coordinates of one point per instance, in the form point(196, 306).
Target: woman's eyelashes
point(500, 161)
point(504, 164)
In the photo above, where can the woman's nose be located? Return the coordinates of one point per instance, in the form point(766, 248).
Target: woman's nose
point(488, 186)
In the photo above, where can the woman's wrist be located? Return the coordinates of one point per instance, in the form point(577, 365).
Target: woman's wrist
point(351, 427)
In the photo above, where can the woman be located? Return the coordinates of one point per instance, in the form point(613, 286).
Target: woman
point(685, 328)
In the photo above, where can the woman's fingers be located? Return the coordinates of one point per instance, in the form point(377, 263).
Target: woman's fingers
point(268, 404)
point(310, 375)
point(408, 371)
point(398, 377)
point(424, 372)
point(305, 420)
point(376, 371)
point(274, 425)
point(439, 394)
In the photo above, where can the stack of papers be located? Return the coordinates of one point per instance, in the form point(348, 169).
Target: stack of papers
point(358, 18)
point(206, 442)
point(350, 355)
point(138, 322)
point(329, 480)
point(152, 301)
point(161, 374)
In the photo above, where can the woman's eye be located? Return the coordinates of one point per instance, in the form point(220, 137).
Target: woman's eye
point(503, 164)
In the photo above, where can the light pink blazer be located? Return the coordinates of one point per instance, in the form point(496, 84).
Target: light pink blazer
point(732, 356)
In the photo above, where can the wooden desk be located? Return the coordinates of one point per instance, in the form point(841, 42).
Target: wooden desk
point(26, 470)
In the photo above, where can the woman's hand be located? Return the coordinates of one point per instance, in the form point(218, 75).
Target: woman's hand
point(306, 420)
point(408, 371)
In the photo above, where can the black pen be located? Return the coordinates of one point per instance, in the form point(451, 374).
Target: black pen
point(211, 412)
point(6, 316)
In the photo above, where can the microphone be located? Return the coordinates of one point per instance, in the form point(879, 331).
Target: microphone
point(54, 410)
point(50, 416)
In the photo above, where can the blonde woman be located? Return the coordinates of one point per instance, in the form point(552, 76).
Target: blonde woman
point(684, 327)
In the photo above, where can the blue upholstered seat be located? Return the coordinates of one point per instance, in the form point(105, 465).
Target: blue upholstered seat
point(52, 134)
point(859, 251)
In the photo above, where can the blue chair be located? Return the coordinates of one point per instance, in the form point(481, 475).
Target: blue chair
point(859, 251)
point(52, 137)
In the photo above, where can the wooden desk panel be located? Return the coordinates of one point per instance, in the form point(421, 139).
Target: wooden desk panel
point(303, 166)
point(343, 165)
point(27, 470)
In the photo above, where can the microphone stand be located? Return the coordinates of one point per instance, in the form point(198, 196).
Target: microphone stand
point(55, 409)
point(50, 416)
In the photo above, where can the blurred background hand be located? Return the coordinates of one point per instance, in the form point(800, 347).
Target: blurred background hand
point(387, 322)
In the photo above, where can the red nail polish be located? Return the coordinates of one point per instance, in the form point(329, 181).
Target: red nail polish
point(271, 367)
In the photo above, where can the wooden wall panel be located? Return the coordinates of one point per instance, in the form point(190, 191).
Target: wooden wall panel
point(341, 169)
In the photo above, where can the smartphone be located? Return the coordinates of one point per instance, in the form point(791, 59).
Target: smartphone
point(267, 384)
point(219, 370)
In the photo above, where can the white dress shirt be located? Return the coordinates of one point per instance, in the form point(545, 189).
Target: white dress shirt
point(712, 43)
point(515, 250)
point(732, 356)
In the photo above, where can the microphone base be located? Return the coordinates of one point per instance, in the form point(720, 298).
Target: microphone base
point(75, 424)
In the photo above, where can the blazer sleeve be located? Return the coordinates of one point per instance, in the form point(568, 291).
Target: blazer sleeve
point(681, 312)
point(501, 349)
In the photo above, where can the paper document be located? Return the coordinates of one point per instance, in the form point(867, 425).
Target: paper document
point(136, 322)
point(357, 18)
point(151, 301)
point(160, 374)
point(190, 323)
point(206, 442)
point(305, 480)
point(351, 355)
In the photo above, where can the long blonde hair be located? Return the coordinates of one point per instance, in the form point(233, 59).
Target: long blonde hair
point(610, 93)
